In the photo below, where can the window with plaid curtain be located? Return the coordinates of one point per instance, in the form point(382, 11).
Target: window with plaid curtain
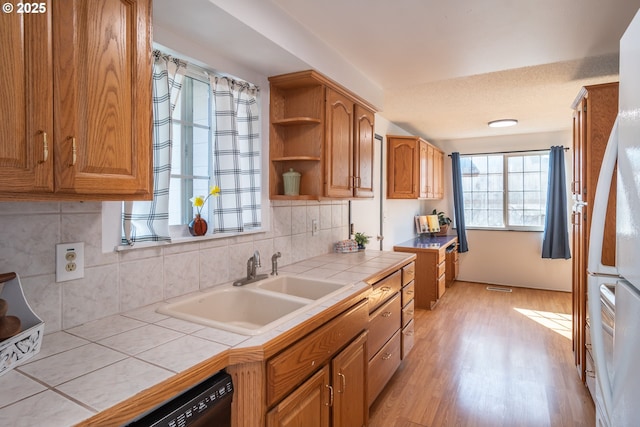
point(147, 221)
point(236, 155)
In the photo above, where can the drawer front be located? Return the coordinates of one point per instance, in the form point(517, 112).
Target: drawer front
point(442, 255)
point(384, 289)
point(383, 323)
point(407, 338)
point(407, 313)
point(442, 281)
point(289, 368)
point(383, 366)
point(408, 293)
point(408, 273)
point(590, 375)
point(442, 267)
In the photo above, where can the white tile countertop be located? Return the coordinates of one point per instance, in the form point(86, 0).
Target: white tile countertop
point(89, 368)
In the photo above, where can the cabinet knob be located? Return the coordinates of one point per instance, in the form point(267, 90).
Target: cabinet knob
point(387, 356)
point(386, 314)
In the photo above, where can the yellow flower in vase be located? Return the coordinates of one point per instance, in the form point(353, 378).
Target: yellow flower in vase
point(198, 227)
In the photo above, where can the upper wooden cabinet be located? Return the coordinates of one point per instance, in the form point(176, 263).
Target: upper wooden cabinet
point(414, 169)
point(77, 102)
point(324, 132)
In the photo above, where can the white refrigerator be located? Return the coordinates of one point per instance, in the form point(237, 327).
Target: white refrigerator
point(617, 361)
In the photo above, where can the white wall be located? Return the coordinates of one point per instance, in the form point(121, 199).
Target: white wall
point(510, 257)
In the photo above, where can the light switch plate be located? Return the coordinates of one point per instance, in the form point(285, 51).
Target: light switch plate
point(69, 261)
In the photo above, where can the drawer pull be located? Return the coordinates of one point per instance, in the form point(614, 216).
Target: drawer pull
point(387, 356)
point(408, 333)
point(588, 346)
point(386, 314)
point(45, 147)
point(385, 289)
point(590, 373)
point(74, 152)
point(409, 292)
point(343, 379)
point(330, 396)
point(409, 312)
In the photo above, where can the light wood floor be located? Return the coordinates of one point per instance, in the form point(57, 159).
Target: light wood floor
point(486, 358)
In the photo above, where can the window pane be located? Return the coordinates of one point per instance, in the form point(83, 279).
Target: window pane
point(200, 109)
point(525, 185)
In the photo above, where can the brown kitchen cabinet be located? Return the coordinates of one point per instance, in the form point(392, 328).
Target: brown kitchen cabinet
point(430, 272)
point(595, 110)
point(451, 260)
point(333, 396)
point(77, 102)
point(407, 338)
point(414, 168)
point(324, 132)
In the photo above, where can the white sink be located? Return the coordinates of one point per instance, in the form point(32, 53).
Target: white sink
point(254, 308)
point(301, 287)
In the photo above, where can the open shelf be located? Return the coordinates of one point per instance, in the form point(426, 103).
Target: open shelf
point(296, 158)
point(296, 121)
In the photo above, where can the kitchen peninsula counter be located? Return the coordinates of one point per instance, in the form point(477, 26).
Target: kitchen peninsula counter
point(107, 371)
point(431, 266)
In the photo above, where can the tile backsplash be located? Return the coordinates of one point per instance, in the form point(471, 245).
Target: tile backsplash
point(120, 281)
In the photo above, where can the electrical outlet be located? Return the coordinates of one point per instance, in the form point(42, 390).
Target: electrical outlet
point(69, 261)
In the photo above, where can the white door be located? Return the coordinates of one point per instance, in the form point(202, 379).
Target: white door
point(366, 214)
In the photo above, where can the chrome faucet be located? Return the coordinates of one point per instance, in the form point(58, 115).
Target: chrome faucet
point(274, 263)
point(252, 264)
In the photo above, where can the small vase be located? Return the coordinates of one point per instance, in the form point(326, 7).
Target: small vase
point(198, 226)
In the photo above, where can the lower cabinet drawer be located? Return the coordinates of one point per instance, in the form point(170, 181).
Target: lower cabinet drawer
point(442, 283)
point(383, 323)
point(382, 367)
point(408, 292)
point(407, 313)
point(407, 339)
point(590, 374)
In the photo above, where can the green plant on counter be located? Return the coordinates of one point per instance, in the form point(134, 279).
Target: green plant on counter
point(361, 239)
point(443, 219)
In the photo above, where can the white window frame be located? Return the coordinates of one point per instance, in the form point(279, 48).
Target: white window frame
point(505, 192)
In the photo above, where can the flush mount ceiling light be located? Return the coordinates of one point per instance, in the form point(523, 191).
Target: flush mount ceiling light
point(502, 123)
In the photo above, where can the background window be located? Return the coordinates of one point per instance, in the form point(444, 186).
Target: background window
point(191, 152)
point(505, 191)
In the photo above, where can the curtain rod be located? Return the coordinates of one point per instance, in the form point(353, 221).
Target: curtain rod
point(509, 152)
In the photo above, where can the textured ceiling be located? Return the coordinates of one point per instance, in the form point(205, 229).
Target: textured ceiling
point(445, 68)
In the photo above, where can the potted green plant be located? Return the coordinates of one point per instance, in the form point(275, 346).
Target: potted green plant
point(444, 222)
point(361, 239)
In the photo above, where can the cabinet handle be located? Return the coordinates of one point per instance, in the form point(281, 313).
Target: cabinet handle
point(590, 373)
point(45, 147)
point(330, 396)
point(588, 346)
point(385, 289)
point(359, 182)
point(387, 356)
point(74, 152)
point(343, 379)
point(408, 333)
point(409, 292)
point(410, 313)
point(386, 314)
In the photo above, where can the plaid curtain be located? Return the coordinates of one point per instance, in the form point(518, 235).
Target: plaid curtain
point(146, 221)
point(236, 155)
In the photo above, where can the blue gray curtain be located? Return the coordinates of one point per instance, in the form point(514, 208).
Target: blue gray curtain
point(458, 203)
point(555, 243)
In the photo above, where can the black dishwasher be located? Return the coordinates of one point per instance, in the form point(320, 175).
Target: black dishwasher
point(206, 404)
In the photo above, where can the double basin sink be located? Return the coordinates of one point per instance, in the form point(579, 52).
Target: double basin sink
point(254, 308)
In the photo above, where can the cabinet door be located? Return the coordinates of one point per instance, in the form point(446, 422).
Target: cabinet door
point(403, 167)
point(363, 152)
point(426, 170)
point(349, 370)
point(307, 406)
point(26, 128)
point(339, 145)
point(102, 97)
point(438, 174)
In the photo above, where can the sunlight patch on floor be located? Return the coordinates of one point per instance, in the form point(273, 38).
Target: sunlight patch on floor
point(558, 322)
